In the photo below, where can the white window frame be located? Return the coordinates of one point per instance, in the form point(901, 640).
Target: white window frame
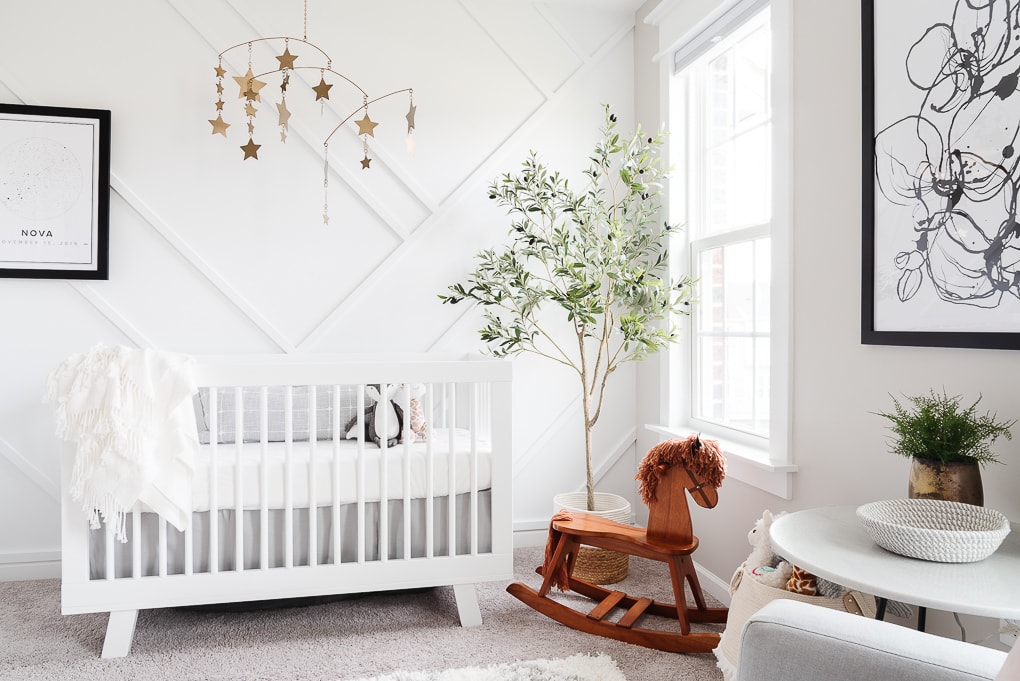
point(766, 464)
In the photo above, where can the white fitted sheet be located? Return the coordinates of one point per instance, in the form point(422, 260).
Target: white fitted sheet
point(327, 465)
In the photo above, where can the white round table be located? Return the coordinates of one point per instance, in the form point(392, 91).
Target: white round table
point(832, 543)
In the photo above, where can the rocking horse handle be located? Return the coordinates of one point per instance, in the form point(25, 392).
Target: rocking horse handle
point(698, 488)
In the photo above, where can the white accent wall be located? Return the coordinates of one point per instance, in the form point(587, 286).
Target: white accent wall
point(210, 253)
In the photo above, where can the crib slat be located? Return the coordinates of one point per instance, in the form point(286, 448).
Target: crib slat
point(136, 542)
point(474, 420)
point(430, 473)
point(361, 473)
point(384, 481)
point(451, 490)
point(239, 480)
point(288, 476)
point(110, 564)
point(214, 514)
point(407, 434)
point(337, 435)
point(264, 478)
point(189, 549)
point(313, 464)
point(161, 524)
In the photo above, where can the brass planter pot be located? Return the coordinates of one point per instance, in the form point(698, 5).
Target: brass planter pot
point(957, 481)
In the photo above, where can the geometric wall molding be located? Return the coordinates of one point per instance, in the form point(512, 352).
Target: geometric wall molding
point(40, 479)
point(402, 221)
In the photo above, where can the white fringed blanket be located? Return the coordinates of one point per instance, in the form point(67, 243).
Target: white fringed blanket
point(130, 414)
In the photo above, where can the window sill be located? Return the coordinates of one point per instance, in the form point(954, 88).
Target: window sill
point(747, 464)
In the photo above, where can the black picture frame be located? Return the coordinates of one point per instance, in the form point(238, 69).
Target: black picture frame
point(957, 261)
point(54, 192)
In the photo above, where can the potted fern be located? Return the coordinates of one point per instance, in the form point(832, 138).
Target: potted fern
point(947, 443)
point(583, 280)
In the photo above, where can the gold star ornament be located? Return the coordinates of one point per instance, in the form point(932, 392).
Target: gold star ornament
point(365, 162)
point(219, 126)
point(322, 89)
point(366, 126)
point(251, 150)
point(410, 118)
point(286, 59)
point(284, 114)
point(249, 85)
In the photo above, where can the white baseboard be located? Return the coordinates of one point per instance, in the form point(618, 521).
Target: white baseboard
point(16, 567)
point(713, 585)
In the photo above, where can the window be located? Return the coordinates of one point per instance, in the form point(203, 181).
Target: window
point(729, 187)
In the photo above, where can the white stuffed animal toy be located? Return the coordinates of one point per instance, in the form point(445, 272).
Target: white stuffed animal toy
point(762, 564)
point(382, 418)
point(413, 422)
point(385, 418)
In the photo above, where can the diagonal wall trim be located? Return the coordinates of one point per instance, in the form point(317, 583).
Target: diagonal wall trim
point(487, 168)
point(623, 445)
point(89, 293)
point(563, 33)
point(205, 269)
point(522, 461)
point(41, 480)
point(524, 72)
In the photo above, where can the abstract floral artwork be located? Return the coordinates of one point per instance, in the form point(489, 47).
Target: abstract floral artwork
point(941, 260)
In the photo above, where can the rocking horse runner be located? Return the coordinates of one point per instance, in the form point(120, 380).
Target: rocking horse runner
point(669, 470)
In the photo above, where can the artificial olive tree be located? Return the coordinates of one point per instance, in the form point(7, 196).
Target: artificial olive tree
point(597, 256)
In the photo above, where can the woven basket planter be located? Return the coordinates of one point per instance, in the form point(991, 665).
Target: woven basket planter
point(595, 565)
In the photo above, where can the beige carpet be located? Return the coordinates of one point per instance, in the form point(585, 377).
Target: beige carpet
point(349, 639)
point(574, 668)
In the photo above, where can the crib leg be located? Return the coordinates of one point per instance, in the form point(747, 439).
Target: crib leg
point(467, 605)
point(120, 631)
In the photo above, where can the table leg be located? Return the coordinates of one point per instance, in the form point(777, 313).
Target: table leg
point(880, 611)
point(922, 615)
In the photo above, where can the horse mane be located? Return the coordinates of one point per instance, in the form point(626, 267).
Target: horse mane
point(702, 458)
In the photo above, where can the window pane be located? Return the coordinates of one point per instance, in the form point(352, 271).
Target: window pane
point(762, 371)
point(739, 400)
point(727, 162)
point(709, 396)
point(752, 177)
point(763, 285)
point(719, 101)
point(753, 70)
point(738, 289)
point(710, 311)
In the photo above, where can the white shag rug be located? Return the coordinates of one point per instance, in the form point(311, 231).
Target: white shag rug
point(575, 668)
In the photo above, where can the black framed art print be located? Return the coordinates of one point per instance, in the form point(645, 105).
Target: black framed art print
point(941, 237)
point(54, 192)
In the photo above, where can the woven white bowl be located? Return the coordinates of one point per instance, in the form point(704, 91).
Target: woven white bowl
point(929, 529)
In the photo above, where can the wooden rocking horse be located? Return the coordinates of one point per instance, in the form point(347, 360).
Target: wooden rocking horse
point(666, 474)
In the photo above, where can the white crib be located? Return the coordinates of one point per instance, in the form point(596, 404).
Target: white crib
point(316, 516)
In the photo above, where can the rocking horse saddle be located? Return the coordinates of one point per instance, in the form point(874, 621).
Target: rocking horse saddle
point(669, 471)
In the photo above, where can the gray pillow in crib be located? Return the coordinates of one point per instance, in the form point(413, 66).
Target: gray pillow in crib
point(226, 410)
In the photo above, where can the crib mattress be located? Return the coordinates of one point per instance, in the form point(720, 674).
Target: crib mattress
point(307, 473)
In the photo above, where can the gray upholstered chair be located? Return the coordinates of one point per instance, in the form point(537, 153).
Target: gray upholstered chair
point(795, 641)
